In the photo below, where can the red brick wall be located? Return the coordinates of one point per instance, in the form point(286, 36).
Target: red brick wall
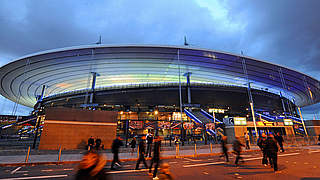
point(71, 128)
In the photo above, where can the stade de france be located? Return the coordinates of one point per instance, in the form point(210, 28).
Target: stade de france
point(129, 90)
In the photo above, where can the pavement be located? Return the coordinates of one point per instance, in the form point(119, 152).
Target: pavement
point(295, 164)
point(18, 157)
point(36, 157)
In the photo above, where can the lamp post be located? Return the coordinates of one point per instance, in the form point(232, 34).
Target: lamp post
point(156, 118)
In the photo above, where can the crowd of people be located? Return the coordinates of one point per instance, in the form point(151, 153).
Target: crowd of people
point(91, 166)
point(145, 150)
point(269, 146)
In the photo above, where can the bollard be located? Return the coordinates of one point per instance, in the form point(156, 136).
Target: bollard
point(210, 147)
point(59, 155)
point(195, 149)
point(177, 150)
point(138, 152)
point(27, 155)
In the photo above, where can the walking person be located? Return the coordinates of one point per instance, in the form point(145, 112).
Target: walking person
point(115, 150)
point(165, 173)
point(272, 150)
point(98, 144)
point(247, 139)
point(280, 140)
point(156, 157)
point(262, 145)
point(141, 153)
point(91, 167)
point(237, 150)
point(90, 143)
point(149, 144)
point(224, 148)
point(319, 140)
point(133, 145)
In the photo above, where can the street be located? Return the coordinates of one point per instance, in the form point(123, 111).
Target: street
point(293, 164)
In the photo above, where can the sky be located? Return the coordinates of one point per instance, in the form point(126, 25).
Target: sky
point(284, 32)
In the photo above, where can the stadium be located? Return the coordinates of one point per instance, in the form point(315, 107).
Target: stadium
point(168, 90)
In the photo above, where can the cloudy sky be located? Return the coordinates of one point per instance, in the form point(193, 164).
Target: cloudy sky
point(284, 32)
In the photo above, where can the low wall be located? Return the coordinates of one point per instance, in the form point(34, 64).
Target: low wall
point(71, 128)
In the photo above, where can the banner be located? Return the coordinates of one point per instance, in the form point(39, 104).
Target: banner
point(136, 124)
point(164, 125)
point(187, 125)
point(210, 126)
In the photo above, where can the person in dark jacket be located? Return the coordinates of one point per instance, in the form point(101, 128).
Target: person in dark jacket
point(91, 167)
point(272, 150)
point(149, 144)
point(262, 145)
point(280, 140)
point(90, 143)
point(115, 150)
point(98, 143)
point(133, 145)
point(156, 156)
point(224, 147)
point(141, 153)
point(237, 150)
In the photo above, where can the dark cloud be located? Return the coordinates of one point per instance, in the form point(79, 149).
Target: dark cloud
point(283, 32)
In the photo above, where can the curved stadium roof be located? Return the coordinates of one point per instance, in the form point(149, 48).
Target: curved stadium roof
point(69, 69)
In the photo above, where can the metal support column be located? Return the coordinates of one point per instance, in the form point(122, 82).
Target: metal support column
point(244, 66)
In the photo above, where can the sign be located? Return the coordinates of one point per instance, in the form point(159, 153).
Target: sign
point(287, 122)
point(187, 125)
point(210, 126)
point(177, 117)
point(136, 124)
point(164, 125)
point(240, 121)
point(191, 105)
point(211, 110)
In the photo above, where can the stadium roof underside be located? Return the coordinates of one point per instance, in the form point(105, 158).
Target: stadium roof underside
point(69, 69)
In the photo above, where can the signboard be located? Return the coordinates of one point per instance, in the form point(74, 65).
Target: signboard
point(217, 110)
point(136, 124)
point(177, 117)
point(210, 126)
point(240, 121)
point(287, 122)
point(164, 125)
point(187, 125)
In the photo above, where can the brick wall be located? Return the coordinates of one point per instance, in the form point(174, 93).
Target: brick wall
point(71, 128)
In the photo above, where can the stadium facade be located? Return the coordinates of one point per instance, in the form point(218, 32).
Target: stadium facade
point(165, 89)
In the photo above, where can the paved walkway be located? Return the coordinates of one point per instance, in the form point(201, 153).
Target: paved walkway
point(52, 156)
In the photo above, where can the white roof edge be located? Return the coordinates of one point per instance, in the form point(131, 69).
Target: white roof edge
point(147, 45)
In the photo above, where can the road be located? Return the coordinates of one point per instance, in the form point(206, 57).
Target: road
point(293, 164)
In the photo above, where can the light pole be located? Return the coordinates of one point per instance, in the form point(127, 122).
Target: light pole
point(156, 118)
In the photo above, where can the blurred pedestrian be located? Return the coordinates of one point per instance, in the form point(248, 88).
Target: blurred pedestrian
point(91, 167)
point(237, 146)
point(247, 139)
point(156, 156)
point(165, 173)
point(98, 144)
point(90, 143)
point(141, 153)
point(115, 150)
point(262, 145)
point(133, 145)
point(280, 140)
point(149, 144)
point(319, 140)
point(224, 147)
point(272, 150)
